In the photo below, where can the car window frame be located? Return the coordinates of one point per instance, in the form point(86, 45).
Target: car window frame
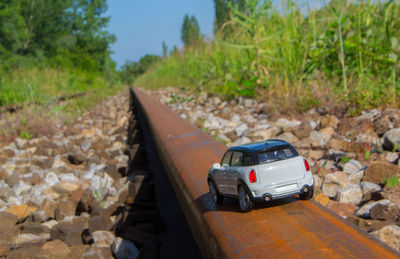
point(241, 158)
point(255, 154)
point(230, 158)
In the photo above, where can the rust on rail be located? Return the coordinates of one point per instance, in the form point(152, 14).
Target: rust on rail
point(286, 229)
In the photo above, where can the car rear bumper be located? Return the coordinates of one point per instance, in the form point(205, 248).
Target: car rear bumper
point(267, 196)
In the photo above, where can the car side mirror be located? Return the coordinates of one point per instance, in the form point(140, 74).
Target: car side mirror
point(216, 166)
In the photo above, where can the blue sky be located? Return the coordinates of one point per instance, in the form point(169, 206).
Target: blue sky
point(142, 25)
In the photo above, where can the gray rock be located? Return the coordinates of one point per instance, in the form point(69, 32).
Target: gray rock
point(21, 187)
point(224, 138)
point(391, 157)
point(356, 177)
point(20, 142)
point(389, 235)
point(103, 238)
point(391, 138)
point(50, 223)
point(284, 123)
point(92, 171)
point(333, 183)
point(319, 138)
point(249, 103)
point(352, 167)
point(66, 187)
point(22, 239)
point(241, 141)
point(327, 164)
point(317, 181)
point(260, 126)
point(101, 182)
point(58, 162)
point(369, 187)
point(86, 144)
point(370, 115)
point(124, 249)
point(242, 130)
point(364, 210)
point(67, 177)
point(39, 216)
point(288, 136)
point(214, 122)
point(6, 192)
point(350, 194)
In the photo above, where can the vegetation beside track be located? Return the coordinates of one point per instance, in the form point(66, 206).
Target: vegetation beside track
point(294, 56)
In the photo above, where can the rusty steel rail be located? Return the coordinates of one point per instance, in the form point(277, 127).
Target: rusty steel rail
point(285, 229)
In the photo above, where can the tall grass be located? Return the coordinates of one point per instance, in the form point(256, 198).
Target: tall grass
point(43, 84)
point(345, 53)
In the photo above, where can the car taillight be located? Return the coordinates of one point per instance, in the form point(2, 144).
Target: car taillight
point(306, 165)
point(252, 176)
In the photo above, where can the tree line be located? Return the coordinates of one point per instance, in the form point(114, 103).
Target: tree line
point(63, 32)
point(190, 35)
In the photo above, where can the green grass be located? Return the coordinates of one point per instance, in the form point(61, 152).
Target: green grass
point(343, 54)
point(43, 86)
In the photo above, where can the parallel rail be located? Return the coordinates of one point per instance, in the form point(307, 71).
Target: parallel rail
point(288, 229)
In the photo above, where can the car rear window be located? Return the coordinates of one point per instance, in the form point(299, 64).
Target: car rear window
point(276, 154)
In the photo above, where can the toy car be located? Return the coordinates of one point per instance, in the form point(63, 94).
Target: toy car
point(261, 171)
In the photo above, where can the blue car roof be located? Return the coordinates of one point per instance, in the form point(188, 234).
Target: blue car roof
point(251, 147)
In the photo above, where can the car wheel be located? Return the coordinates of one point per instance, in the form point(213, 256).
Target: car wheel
point(214, 193)
point(307, 195)
point(245, 202)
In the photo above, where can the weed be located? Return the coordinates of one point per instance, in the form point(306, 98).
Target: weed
point(23, 130)
point(392, 182)
point(101, 192)
point(345, 159)
point(396, 147)
point(289, 55)
point(367, 154)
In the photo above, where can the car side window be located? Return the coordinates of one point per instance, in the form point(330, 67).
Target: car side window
point(246, 159)
point(227, 158)
point(237, 159)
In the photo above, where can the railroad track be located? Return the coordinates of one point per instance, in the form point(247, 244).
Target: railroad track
point(290, 228)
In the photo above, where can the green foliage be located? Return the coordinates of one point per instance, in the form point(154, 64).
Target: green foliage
point(100, 193)
point(345, 159)
point(223, 12)
point(59, 32)
point(190, 31)
point(345, 53)
point(23, 130)
point(43, 85)
point(131, 70)
point(367, 154)
point(164, 49)
point(392, 182)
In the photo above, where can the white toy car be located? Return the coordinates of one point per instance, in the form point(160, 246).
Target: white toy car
point(261, 171)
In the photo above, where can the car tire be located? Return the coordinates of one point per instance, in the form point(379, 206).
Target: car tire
point(307, 195)
point(245, 202)
point(217, 198)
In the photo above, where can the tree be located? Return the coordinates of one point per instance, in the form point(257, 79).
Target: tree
point(190, 32)
point(63, 31)
point(164, 49)
point(223, 13)
point(132, 69)
point(88, 24)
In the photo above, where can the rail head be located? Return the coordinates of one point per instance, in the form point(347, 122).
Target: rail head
point(288, 228)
